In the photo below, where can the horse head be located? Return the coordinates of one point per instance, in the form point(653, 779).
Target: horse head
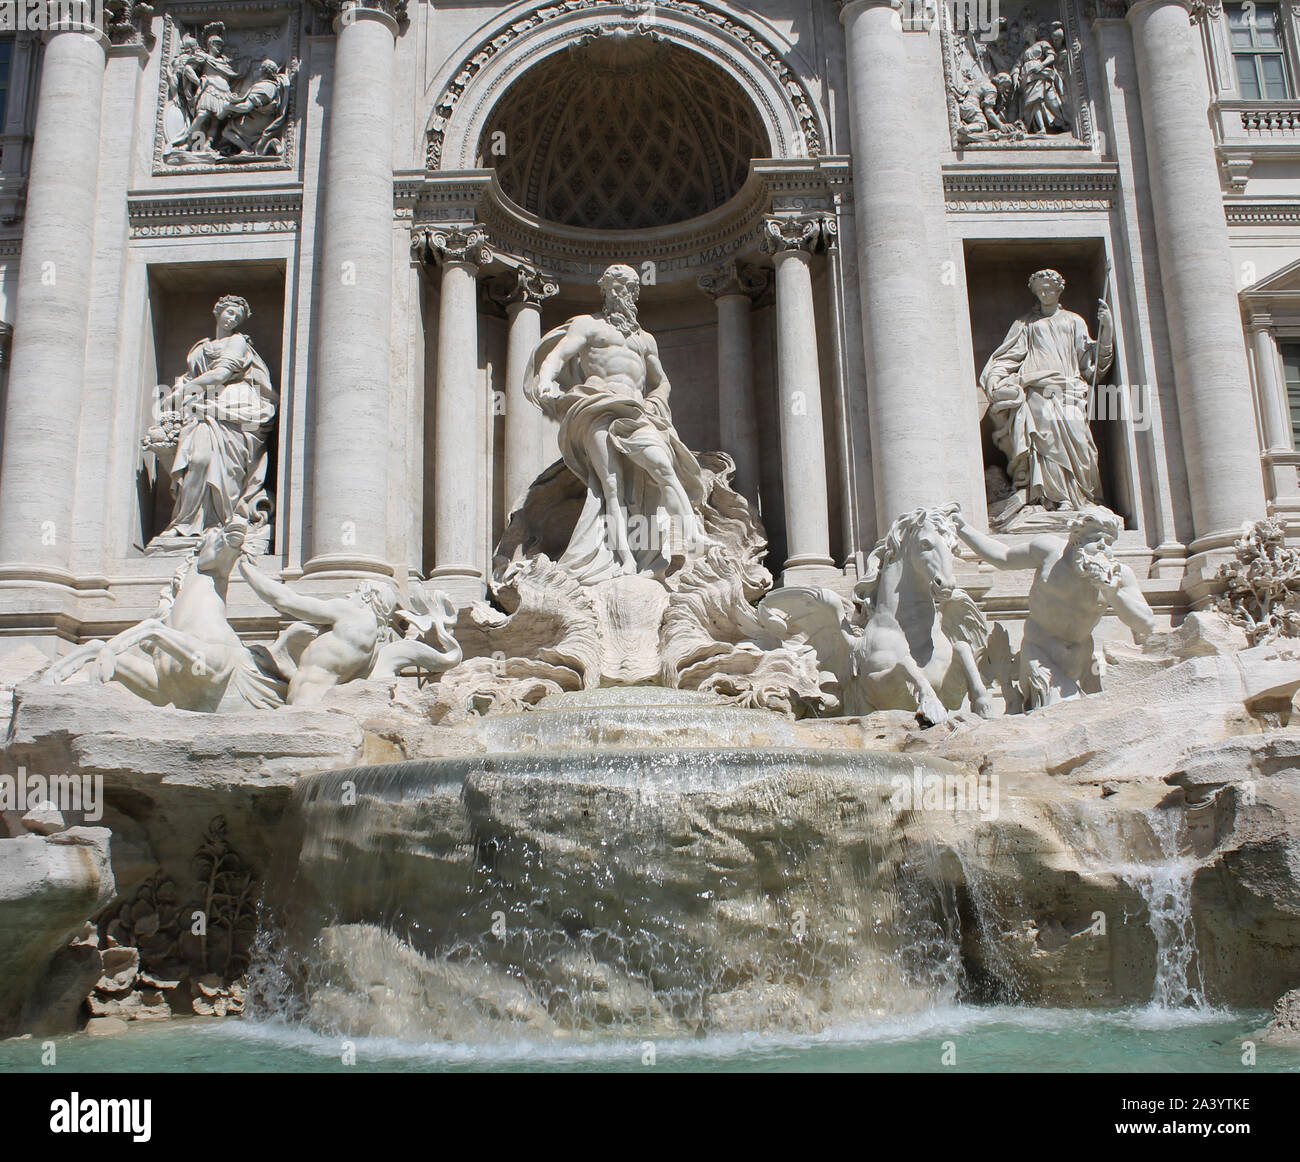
point(922, 544)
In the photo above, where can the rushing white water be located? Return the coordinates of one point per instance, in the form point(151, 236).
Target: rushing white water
point(1166, 888)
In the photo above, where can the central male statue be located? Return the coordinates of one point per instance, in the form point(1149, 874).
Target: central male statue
point(600, 377)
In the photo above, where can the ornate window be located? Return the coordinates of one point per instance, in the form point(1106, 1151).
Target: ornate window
point(1291, 366)
point(1258, 51)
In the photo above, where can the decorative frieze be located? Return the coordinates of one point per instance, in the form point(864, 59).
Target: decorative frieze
point(216, 213)
point(994, 190)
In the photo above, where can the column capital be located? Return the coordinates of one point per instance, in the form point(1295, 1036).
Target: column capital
point(734, 278)
point(525, 286)
point(1259, 321)
point(465, 245)
point(848, 6)
point(1198, 11)
point(130, 22)
point(345, 12)
point(802, 234)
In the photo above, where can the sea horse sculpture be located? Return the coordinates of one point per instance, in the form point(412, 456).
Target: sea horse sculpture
point(913, 639)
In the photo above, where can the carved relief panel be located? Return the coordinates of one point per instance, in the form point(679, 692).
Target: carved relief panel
point(1015, 81)
point(228, 93)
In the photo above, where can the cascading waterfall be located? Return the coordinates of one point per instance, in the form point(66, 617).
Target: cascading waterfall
point(538, 889)
point(1166, 888)
point(1107, 841)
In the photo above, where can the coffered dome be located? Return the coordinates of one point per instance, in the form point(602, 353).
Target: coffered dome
point(622, 132)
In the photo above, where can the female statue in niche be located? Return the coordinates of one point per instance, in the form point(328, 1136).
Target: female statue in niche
point(212, 435)
point(1038, 384)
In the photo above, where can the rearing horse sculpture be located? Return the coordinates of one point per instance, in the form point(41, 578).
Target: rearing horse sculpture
point(187, 655)
point(913, 639)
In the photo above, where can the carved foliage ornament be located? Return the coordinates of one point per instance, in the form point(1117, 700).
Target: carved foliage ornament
point(810, 234)
point(394, 8)
point(734, 279)
point(129, 22)
point(752, 43)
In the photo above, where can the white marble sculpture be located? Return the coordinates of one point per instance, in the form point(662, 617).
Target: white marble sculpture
point(1011, 88)
point(211, 436)
point(914, 639)
point(222, 111)
point(1038, 384)
point(600, 377)
point(341, 639)
point(1076, 581)
point(187, 655)
point(632, 559)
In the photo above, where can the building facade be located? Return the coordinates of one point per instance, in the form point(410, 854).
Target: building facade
point(833, 209)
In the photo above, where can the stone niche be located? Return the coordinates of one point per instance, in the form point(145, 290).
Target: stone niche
point(997, 272)
point(181, 298)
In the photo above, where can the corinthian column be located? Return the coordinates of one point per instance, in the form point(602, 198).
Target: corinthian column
point(460, 438)
point(529, 436)
point(48, 364)
point(733, 289)
point(792, 242)
point(349, 466)
point(924, 435)
point(1215, 409)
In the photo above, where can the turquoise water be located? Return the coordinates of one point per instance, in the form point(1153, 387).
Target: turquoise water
point(983, 1040)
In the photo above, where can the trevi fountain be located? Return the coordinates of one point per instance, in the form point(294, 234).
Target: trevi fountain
point(617, 531)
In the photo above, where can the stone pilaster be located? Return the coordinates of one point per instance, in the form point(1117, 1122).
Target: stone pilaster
point(460, 438)
point(733, 289)
point(43, 403)
point(1211, 377)
point(530, 445)
point(350, 451)
point(792, 241)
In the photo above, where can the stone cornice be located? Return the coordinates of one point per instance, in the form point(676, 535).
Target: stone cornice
point(1262, 213)
point(1198, 11)
point(993, 188)
point(209, 212)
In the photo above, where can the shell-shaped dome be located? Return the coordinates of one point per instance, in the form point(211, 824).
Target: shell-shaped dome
point(622, 133)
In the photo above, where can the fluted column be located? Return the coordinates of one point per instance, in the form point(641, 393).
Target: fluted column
point(733, 288)
point(460, 441)
point(912, 404)
point(43, 405)
point(349, 460)
point(529, 435)
point(1211, 377)
point(792, 243)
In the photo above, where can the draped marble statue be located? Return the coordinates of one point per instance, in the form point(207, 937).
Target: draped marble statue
point(211, 436)
point(600, 377)
point(1038, 384)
